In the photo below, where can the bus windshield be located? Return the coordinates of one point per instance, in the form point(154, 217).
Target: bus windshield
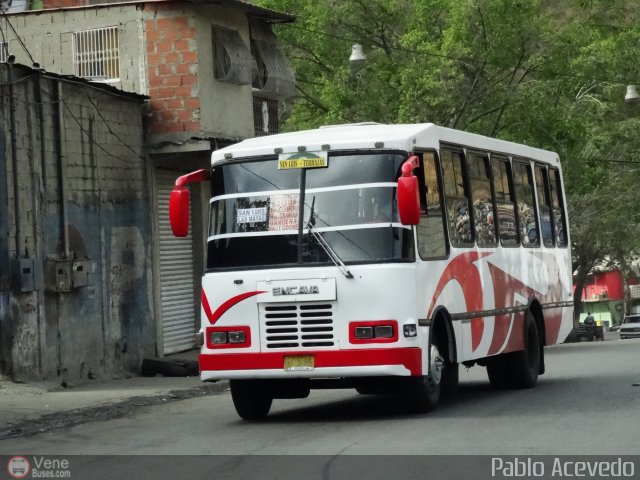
point(255, 213)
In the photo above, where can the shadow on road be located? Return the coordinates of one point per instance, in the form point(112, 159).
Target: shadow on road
point(557, 390)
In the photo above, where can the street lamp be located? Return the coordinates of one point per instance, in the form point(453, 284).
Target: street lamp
point(632, 94)
point(357, 58)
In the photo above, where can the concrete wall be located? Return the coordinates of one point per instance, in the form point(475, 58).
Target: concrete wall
point(48, 37)
point(185, 95)
point(165, 52)
point(5, 265)
point(227, 110)
point(82, 198)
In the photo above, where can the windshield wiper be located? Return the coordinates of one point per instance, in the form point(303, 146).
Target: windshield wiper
point(337, 261)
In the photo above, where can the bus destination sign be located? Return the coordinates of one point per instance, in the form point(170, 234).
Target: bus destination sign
point(303, 160)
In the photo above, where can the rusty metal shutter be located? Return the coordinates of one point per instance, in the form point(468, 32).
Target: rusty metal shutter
point(177, 289)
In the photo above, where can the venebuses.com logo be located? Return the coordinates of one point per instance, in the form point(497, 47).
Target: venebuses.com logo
point(18, 467)
point(38, 467)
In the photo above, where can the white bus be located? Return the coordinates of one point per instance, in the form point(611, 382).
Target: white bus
point(379, 257)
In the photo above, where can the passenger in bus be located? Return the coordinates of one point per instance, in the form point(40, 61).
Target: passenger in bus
point(483, 218)
point(459, 215)
point(528, 230)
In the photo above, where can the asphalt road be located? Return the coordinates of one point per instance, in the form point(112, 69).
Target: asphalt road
point(588, 402)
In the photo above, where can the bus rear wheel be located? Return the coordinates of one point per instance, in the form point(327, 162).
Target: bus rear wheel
point(498, 371)
point(251, 399)
point(518, 369)
point(525, 364)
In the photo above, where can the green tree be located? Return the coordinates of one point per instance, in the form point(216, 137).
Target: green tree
point(541, 72)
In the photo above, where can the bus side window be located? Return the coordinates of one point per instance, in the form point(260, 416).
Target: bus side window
point(557, 204)
point(432, 240)
point(544, 206)
point(505, 202)
point(528, 221)
point(456, 198)
point(480, 181)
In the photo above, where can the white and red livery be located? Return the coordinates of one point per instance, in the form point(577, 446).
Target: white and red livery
point(379, 257)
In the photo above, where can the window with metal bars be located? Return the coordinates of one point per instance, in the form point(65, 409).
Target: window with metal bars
point(96, 54)
point(265, 116)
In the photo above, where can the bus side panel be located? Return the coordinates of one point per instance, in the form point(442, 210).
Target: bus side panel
point(487, 293)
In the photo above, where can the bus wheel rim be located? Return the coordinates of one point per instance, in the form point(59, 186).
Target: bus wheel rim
point(437, 364)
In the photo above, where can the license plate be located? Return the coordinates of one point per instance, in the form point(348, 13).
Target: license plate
point(299, 362)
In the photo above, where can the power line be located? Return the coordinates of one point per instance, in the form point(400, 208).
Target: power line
point(6, 17)
point(88, 134)
point(4, 40)
point(17, 81)
point(107, 124)
point(79, 123)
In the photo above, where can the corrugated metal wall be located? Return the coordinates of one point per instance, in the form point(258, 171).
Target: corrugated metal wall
point(177, 288)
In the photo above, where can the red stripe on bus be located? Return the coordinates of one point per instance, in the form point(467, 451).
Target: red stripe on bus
point(462, 270)
point(505, 288)
point(213, 317)
point(410, 358)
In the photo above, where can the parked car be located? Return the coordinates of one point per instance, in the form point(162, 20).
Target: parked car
point(630, 327)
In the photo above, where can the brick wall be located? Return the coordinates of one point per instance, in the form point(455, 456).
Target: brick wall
point(89, 191)
point(172, 69)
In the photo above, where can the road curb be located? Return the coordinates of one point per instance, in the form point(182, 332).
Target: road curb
point(109, 411)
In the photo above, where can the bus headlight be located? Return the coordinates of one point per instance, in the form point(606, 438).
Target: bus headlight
point(236, 337)
point(383, 331)
point(228, 337)
point(364, 332)
point(373, 331)
point(218, 338)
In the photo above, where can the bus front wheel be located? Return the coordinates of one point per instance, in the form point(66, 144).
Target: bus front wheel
point(424, 391)
point(251, 399)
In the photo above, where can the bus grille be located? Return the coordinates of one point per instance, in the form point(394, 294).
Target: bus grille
point(297, 325)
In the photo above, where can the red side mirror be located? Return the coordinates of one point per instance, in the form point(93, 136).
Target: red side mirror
point(179, 212)
point(179, 202)
point(409, 193)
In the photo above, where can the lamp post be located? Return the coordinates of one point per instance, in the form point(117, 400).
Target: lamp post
point(356, 84)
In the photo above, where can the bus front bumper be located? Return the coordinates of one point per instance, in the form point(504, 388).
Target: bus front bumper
point(315, 364)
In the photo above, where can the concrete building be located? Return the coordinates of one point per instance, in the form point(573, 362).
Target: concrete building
point(75, 229)
point(609, 295)
point(214, 73)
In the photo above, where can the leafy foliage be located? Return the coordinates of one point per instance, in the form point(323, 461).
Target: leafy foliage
point(541, 72)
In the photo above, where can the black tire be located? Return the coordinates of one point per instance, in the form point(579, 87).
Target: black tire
point(450, 378)
point(251, 399)
point(498, 371)
point(423, 393)
point(524, 365)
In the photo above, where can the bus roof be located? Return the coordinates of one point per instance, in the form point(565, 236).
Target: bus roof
point(370, 136)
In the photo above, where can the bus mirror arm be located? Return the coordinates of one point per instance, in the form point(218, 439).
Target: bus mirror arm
point(409, 193)
point(179, 201)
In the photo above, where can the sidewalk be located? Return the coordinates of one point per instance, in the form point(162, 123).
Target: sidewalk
point(26, 409)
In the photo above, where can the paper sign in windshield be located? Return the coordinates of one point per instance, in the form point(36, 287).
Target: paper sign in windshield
point(251, 215)
point(283, 212)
